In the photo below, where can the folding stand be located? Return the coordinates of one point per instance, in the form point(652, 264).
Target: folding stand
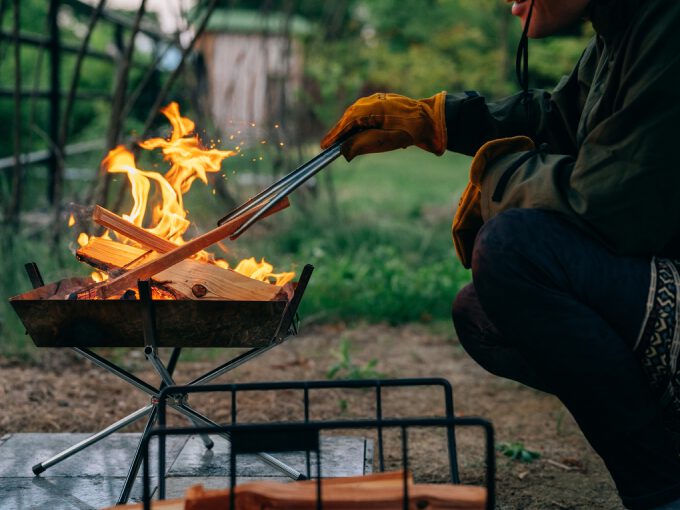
point(178, 402)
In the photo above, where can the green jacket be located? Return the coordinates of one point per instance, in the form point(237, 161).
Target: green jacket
point(610, 134)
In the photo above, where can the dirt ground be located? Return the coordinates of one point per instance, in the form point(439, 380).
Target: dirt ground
point(61, 393)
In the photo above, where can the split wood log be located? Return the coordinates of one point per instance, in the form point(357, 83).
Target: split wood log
point(379, 491)
point(360, 496)
point(190, 278)
point(112, 221)
point(128, 280)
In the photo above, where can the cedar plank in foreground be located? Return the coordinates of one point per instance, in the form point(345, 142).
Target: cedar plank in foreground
point(220, 283)
point(129, 279)
point(356, 493)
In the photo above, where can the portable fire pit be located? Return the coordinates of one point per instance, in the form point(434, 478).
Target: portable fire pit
point(153, 289)
point(148, 324)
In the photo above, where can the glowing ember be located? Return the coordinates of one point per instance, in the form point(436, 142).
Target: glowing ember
point(189, 161)
point(98, 276)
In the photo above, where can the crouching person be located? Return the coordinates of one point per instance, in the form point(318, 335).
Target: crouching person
point(571, 226)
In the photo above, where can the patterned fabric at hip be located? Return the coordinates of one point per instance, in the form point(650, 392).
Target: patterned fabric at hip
point(659, 343)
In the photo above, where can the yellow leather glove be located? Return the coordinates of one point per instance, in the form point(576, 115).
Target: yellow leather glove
point(468, 218)
point(391, 121)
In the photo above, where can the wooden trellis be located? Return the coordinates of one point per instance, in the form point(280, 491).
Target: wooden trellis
point(61, 100)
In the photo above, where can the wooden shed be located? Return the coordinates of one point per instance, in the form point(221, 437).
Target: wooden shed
point(253, 65)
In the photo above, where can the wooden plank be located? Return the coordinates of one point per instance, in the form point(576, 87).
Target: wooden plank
point(118, 285)
point(197, 495)
point(112, 221)
point(385, 495)
point(214, 282)
point(359, 494)
point(106, 255)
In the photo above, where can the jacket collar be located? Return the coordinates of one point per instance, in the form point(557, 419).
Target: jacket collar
point(610, 18)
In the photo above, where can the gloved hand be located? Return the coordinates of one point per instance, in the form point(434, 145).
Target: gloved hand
point(391, 121)
point(468, 218)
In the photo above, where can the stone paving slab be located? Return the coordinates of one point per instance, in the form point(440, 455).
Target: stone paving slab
point(340, 456)
point(176, 487)
point(110, 457)
point(91, 478)
point(94, 477)
point(63, 493)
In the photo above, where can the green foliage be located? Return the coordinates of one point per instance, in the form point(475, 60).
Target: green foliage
point(386, 254)
point(554, 57)
point(54, 263)
point(90, 117)
point(419, 47)
point(516, 451)
point(345, 368)
point(377, 283)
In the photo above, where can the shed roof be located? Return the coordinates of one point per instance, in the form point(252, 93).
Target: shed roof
point(257, 22)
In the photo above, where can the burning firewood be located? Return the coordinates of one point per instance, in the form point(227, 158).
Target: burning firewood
point(112, 221)
point(188, 278)
point(120, 284)
point(156, 249)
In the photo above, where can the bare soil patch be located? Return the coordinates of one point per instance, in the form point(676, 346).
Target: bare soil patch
point(61, 393)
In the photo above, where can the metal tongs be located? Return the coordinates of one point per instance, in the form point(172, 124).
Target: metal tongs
point(283, 187)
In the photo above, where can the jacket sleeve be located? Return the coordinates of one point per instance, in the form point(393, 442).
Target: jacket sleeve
point(623, 184)
point(552, 118)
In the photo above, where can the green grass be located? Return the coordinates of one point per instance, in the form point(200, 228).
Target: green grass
point(401, 181)
point(346, 368)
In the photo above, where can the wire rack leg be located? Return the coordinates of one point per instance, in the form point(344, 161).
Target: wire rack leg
point(136, 461)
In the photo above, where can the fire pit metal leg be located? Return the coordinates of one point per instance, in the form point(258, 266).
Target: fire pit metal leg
point(123, 374)
point(42, 466)
point(174, 358)
point(269, 459)
point(167, 379)
point(152, 356)
point(231, 364)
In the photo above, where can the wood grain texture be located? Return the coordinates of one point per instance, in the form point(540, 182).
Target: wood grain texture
point(371, 491)
point(118, 285)
point(220, 283)
point(112, 221)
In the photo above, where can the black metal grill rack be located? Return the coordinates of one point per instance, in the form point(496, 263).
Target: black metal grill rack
point(303, 436)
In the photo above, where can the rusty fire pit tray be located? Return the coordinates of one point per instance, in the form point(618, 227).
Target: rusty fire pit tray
point(179, 323)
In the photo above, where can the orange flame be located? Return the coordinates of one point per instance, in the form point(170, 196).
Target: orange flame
point(189, 161)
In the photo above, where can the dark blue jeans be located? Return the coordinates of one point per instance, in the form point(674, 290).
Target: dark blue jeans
point(552, 308)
